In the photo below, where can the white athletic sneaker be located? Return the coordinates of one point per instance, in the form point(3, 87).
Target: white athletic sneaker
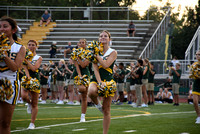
point(197, 120)
point(70, 103)
point(29, 108)
point(82, 118)
point(99, 106)
point(144, 105)
point(65, 100)
point(60, 102)
point(31, 126)
point(77, 103)
point(43, 102)
point(134, 105)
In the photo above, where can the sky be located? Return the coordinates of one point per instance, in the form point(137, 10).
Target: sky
point(142, 5)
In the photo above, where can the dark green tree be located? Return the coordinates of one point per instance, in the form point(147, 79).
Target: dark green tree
point(184, 31)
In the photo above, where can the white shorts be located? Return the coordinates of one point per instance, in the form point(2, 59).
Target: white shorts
point(132, 87)
point(16, 88)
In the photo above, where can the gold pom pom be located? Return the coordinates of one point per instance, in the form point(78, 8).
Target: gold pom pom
point(108, 90)
point(6, 91)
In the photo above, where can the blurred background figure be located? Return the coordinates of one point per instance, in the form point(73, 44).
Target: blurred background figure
point(131, 29)
point(46, 17)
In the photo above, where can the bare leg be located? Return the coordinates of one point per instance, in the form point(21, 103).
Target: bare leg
point(128, 33)
point(6, 112)
point(106, 112)
point(134, 96)
point(92, 92)
point(53, 95)
point(61, 92)
point(196, 101)
point(133, 34)
point(149, 95)
point(44, 93)
point(41, 22)
point(48, 21)
point(71, 93)
point(25, 96)
point(152, 96)
point(83, 90)
point(175, 98)
point(144, 92)
point(34, 104)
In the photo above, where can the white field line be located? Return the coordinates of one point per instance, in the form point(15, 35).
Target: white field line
point(72, 123)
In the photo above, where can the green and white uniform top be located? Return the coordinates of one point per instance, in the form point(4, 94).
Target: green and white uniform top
point(106, 74)
point(84, 71)
point(35, 74)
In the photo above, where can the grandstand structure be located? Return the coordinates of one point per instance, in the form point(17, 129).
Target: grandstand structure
point(128, 48)
point(65, 31)
point(148, 35)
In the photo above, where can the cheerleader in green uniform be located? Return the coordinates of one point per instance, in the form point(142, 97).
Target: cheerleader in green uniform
point(82, 69)
point(195, 74)
point(103, 71)
point(32, 70)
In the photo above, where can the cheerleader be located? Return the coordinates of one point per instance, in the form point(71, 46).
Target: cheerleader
point(31, 70)
point(195, 74)
point(103, 71)
point(9, 64)
point(82, 69)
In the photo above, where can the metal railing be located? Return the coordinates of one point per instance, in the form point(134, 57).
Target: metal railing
point(193, 46)
point(156, 37)
point(86, 12)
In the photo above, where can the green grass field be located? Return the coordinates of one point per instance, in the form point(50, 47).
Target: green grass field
point(64, 119)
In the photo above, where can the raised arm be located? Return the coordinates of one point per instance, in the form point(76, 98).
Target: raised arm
point(36, 66)
point(84, 63)
point(77, 68)
point(145, 70)
point(109, 61)
point(96, 72)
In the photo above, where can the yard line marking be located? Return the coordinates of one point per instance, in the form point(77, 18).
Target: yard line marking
point(129, 131)
point(79, 129)
point(127, 116)
point(19, 109)
point(79, 117)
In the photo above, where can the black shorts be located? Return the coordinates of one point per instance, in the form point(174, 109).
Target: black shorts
point(131, 31)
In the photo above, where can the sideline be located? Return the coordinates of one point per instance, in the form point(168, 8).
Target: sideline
point(127, 116)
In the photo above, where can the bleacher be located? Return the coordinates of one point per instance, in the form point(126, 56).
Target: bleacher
point(128, 48)
point(24, 24)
